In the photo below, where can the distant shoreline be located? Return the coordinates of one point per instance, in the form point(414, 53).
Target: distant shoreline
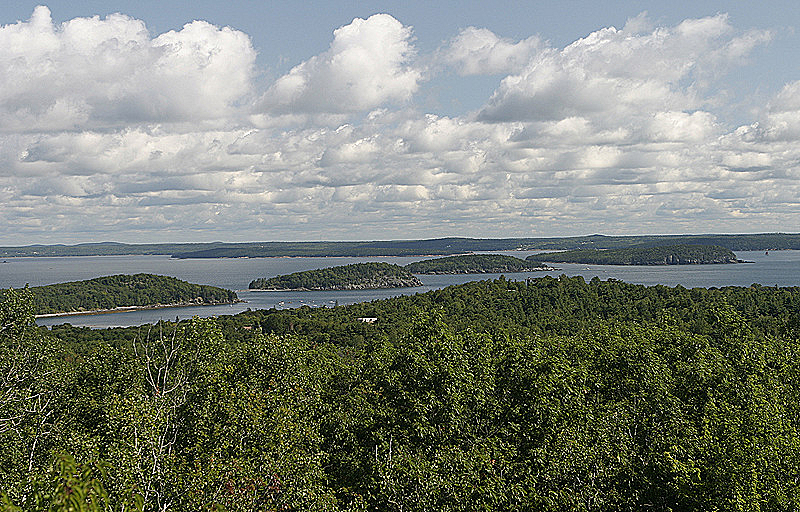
point(125, 309)
point(445, 246)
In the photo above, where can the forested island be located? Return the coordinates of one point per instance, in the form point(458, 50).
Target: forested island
point(363, 276)
point(436, 246)
point(661, 255)
point(546, 394)
point(358, 276)
point(125, 291)
point(475, 264)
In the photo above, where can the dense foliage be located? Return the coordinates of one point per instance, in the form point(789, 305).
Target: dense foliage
point(125, 290)
point(546, 394)
point(473, 264)
point(660, 255)
point(344, 277)
point(440, 246)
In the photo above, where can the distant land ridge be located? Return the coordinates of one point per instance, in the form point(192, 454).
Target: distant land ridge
point(437, 246)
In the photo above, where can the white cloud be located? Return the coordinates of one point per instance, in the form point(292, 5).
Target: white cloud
point(787, 100)
point(681, 127)
point(618, 74)
point(780, 120)
point(367, 65)
point(479, 51)
point(95, 73)
point(359, 151)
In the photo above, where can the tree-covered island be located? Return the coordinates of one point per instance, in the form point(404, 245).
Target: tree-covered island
point(475, 264)
point(359, 276)
point(661, 255)
point(125, 291)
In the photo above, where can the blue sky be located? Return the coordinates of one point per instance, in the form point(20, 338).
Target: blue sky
point(194, 121)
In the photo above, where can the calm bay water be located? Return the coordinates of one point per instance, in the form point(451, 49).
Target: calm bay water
point(781, 268)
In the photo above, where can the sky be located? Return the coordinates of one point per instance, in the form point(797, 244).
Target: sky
point(176, 121)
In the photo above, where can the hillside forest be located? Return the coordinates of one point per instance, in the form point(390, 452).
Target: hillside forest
point(546, 394)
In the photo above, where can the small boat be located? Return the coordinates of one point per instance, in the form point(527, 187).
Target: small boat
point(766, 253)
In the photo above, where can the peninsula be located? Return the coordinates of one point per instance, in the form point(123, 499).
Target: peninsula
point(119, 292)
point(359, 276)
point(475, 264)
point(659, 255)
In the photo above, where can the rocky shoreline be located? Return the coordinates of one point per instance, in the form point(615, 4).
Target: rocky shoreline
point(380, 284)
point(486, 271)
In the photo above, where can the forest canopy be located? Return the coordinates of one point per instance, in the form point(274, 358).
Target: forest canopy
point(546, 394)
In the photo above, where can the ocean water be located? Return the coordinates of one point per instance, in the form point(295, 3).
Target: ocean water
point(778, 268)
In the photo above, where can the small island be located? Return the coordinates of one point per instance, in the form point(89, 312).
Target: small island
point(475, 264)
point(359, 276)
point(659, 255)
point(121, 292)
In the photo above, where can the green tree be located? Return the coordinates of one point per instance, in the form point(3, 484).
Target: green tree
point(30, 377)
point(72, 487)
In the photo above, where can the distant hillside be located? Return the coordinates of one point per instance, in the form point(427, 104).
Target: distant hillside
point(474, 264)
point(139, 290)
point(359, 276)
point(101, 249)
point(436, 246)
point(662, 255)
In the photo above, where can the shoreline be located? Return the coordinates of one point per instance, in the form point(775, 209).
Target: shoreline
point(125, 309)
point(704, 264)
point(455, 272)
point(326, 256)
point(329, 289)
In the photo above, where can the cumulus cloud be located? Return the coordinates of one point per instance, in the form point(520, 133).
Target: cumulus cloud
point(479, 51)
point(368, 64)
point(780, 120)
point(109, 72)
point(623, 72)
point(681, 126)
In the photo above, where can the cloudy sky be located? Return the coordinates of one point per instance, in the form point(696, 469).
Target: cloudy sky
point(158, 121)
